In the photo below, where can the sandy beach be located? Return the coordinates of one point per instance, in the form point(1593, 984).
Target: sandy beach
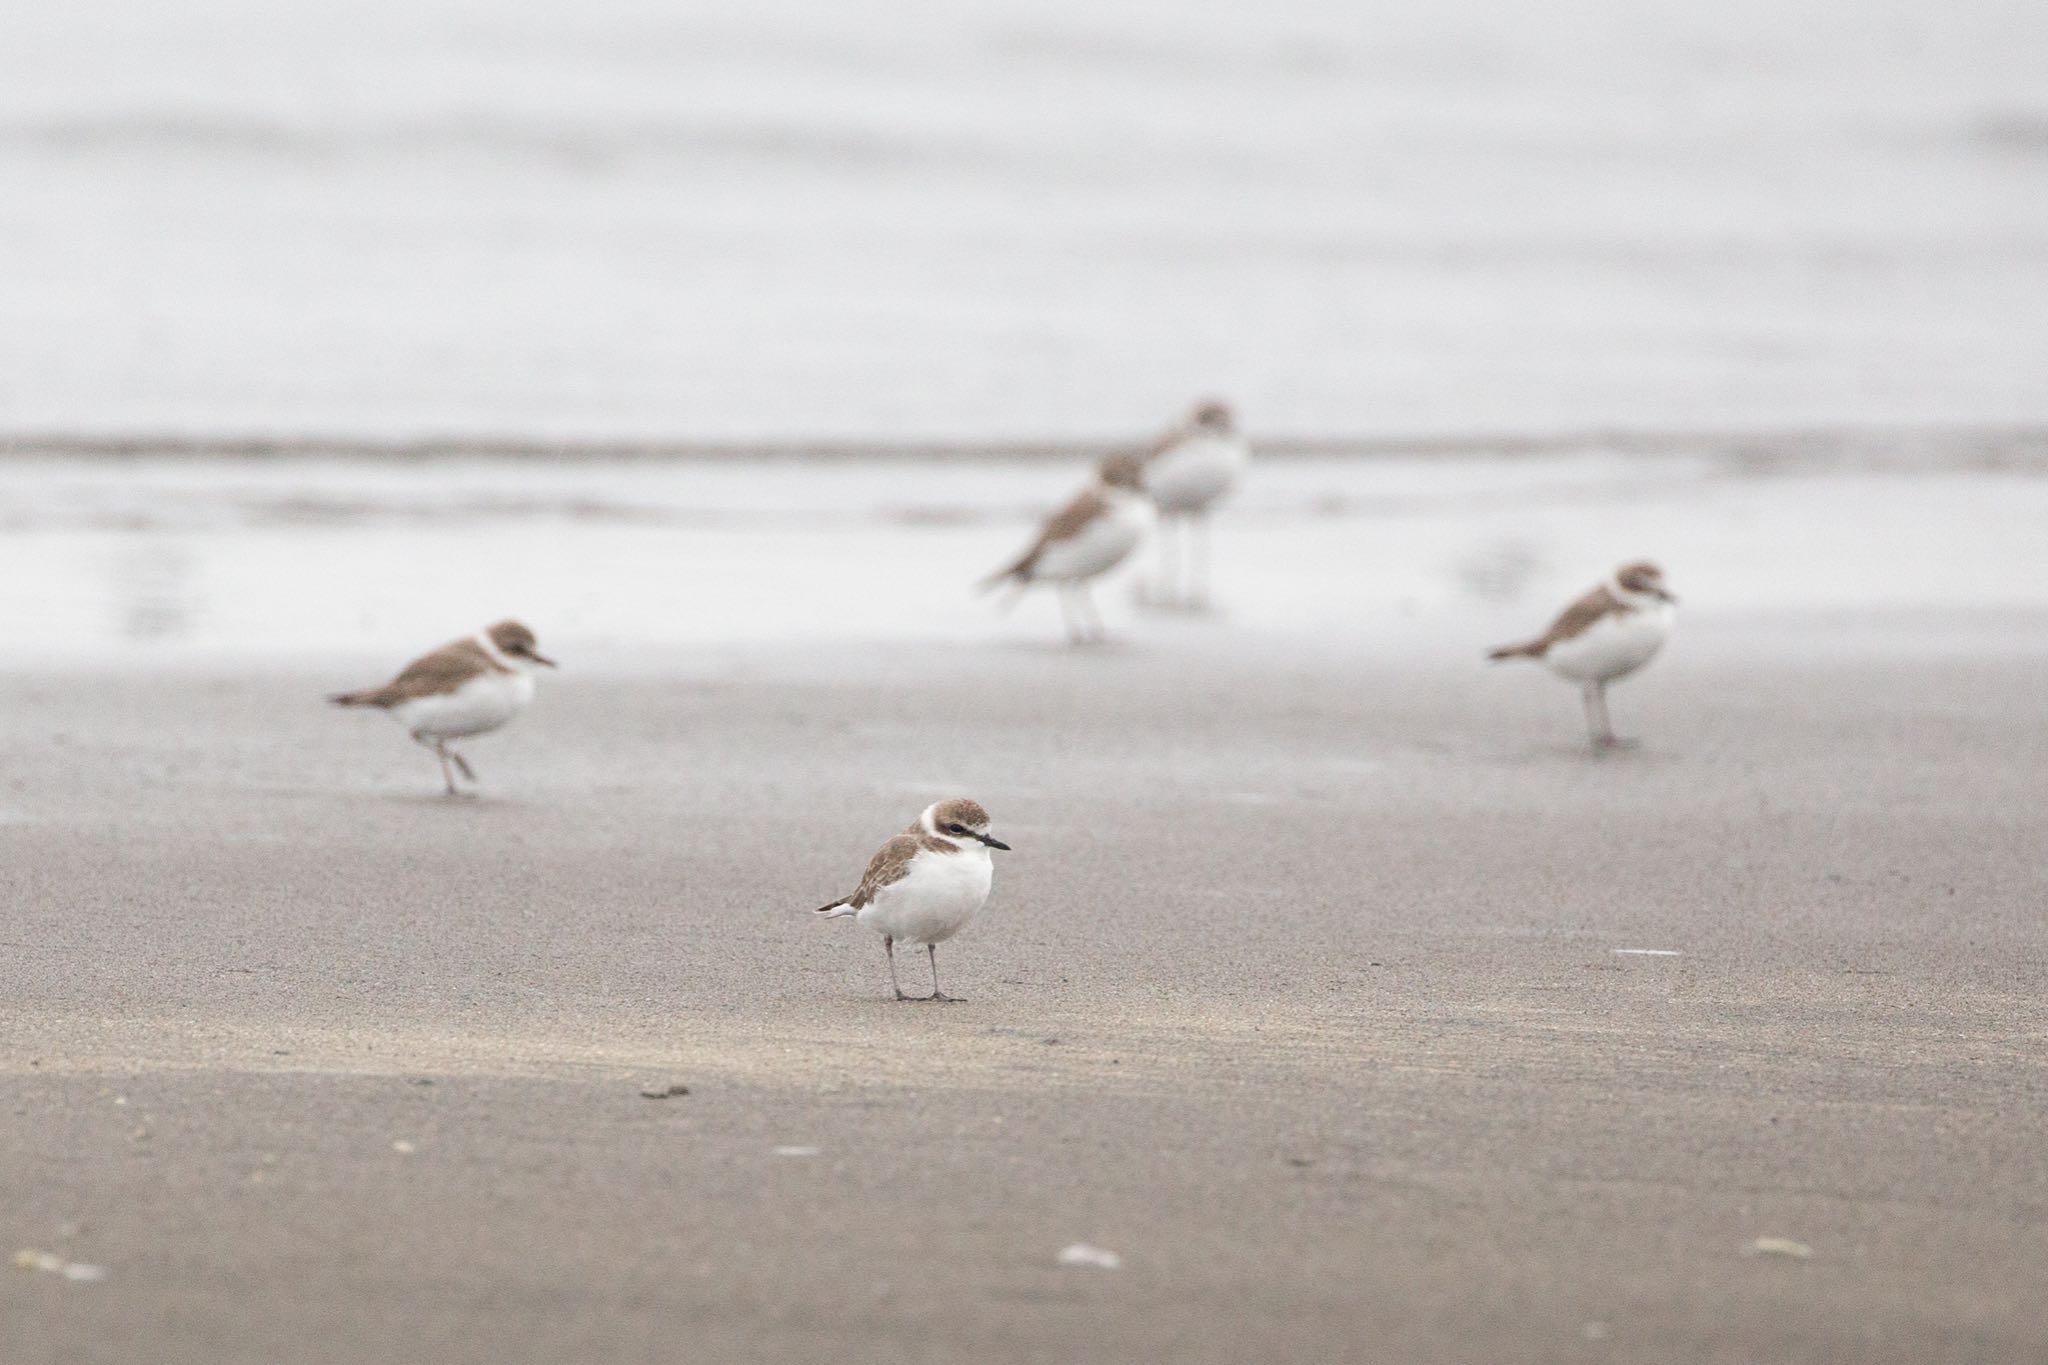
point(1337, 1002)
point(1312, 990)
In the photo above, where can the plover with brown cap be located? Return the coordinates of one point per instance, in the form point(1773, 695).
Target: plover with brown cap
point(466, 687)
point(1609, 633)
point(925, 884)
point(1084, 540)
point(1187, 472)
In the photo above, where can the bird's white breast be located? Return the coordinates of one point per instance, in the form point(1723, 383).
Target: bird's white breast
point(1195, 472)
point(1612, 647)
point(938, 895)
point(482, 703)
point(1105, 542)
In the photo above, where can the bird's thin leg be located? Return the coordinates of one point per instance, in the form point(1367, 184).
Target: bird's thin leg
point(462, 765)
point(932, 950)
point(1066, 591)
point(1597, 724)
point(1087, 600)
point(447, 776)
point(1169, 561)
point(889, 947)
point(1198, 577)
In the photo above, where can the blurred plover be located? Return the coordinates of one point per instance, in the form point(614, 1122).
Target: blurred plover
point(1083, 540)
point(1609, 633)
point(1186, 473)
point(466, 687)
point(925, 884)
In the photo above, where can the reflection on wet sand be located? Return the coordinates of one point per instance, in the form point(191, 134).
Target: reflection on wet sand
point(154, 592)
point(140, 560)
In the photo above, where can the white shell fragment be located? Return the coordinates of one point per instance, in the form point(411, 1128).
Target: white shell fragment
point(1779, 1246)
point(1080, 1253)
point(49, 1264)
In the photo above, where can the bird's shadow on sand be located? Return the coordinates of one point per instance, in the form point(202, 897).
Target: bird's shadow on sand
point(1115, 647)
point(1174, 607)
point(443, 801)
point(343, 794)
point(1632, 754)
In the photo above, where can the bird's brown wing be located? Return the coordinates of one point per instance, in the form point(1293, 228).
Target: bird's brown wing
point(1065, 524)
point(1580, 616)
point(444, 670)
point(1574, 620)
point(890, 864)
point(1166, 441)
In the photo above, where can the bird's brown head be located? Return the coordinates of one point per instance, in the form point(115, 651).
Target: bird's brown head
point(961, 818)
point(515, 641)
point(1641, 576)
point(1213, 414)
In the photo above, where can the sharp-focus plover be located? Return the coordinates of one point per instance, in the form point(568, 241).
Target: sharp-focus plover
point(1083, 540)
point(1609, 633)
point(925, 884)
point(466, 687)
point(1186, 473)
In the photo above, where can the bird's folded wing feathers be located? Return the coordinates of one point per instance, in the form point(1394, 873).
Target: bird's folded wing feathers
point(890, 864)
point(1172, 437)
point(441, 671)
point(1582, 615)
point(1065, 524)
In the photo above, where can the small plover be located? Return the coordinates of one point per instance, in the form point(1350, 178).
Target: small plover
point(1609, 633)
point(466, 687)
point(1186, 473)
point(925, 884)
point(1083, 540)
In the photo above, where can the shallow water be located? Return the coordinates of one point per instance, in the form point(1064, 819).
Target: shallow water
point(914, 218)
point(626, 564)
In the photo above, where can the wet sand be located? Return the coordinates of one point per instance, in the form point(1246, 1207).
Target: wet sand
point(1301, 992)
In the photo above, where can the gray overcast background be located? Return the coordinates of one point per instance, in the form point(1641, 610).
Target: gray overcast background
point(1035, 217)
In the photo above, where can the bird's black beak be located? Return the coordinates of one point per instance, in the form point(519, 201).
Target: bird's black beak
point(993, 842)
point(1670, 597)
point(542, 659)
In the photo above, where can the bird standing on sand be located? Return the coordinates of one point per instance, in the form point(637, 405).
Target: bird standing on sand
point(466, 687)
point(925, 884)
point(1186, 473)
point(1609, 633)
point(1082, 541)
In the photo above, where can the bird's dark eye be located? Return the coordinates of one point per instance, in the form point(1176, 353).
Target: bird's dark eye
point(956, 829)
